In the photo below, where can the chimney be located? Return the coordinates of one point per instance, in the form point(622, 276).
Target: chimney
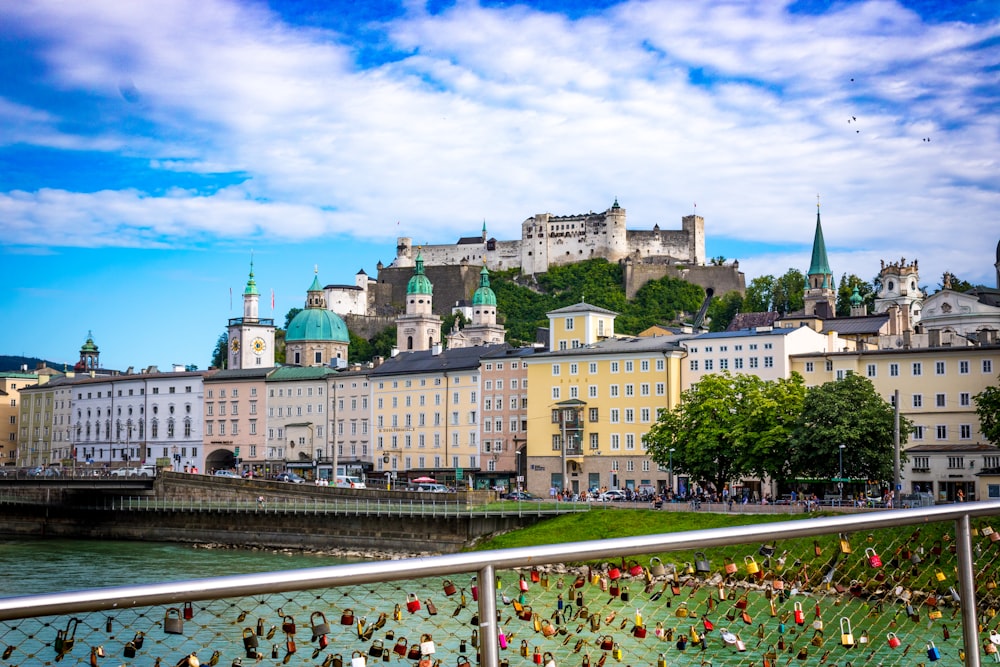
point(394, 351)
point(436, 349)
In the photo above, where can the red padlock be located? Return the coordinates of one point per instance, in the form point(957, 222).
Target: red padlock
point(475, 591)
point(537, 656)
point(800, 617)
point(449, 587)
point(188, 611)
point(522, 584)
point(893, 640)
point(412, 603)
point(614, 573)
point(873, 558)
point(535, 575)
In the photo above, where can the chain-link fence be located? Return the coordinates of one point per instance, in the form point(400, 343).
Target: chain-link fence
point(891, 588)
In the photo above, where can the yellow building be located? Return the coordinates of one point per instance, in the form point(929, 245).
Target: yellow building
point(11, 384)
point(936, 388)
point(590, 401)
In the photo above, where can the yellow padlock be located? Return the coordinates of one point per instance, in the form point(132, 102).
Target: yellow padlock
point(939, 575)
point(845, 544)
point(751, 565)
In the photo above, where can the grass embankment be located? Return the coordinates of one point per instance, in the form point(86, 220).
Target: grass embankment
point(600, 525)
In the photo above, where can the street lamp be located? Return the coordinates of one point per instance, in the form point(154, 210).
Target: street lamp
point(517, 469)
point(841, 476)
point(670, 470)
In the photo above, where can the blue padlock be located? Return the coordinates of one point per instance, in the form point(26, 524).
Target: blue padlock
point(933, 652)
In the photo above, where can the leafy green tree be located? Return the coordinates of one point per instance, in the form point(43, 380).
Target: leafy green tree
point(221, 352)
point(717, 261)
point(789, 292)
point(846, 291)
point(851, 413)
point(660, 301)
point(383, 342)
point(703, 431)
point(769, 424)
point(759, 296)
point(359, 349)
point(988, 409)
point(722, 310)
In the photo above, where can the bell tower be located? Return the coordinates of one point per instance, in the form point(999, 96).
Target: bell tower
point(251, 338)
point(419, 328)
point(820, 298)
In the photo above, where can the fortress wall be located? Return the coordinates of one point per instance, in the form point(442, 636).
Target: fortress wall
point(720, 279)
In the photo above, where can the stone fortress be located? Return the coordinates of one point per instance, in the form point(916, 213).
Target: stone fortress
point(546, 240)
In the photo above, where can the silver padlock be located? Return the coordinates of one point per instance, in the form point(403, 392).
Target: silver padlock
point(173, 624)
point(320, 627)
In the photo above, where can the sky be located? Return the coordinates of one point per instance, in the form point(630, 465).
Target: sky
point(148, 149)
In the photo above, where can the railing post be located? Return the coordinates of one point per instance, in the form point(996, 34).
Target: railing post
point(488, 646)
point(967, 589)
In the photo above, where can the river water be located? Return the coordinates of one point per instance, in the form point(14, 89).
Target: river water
point(46, 566)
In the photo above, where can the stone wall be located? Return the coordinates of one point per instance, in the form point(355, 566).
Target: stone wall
point(451, 283)
point(720, 279)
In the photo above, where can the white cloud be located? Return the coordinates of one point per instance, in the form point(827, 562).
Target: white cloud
point(503, 113)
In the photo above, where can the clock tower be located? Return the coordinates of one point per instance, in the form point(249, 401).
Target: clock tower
point(251, 339)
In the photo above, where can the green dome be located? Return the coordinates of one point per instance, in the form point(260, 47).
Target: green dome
point(419, 283)
point(89, 346)
point(484, 295)
point(856, 298)
point(317, 324)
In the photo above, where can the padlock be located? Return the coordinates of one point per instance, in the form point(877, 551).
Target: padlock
point(548, 660)
point(173, 624)
point(129, 650)
point(845, 544)
point(682, 641)
point(397, 613)
point(548, 629)
point(536, 657)
point(288, 625)
point(751, 565)
point(249, 639)
point(501, 638)
point(933, 652)
point(522, 583)
point(237, 662)
point(375, 650)
point(656, 567)
point(616, 652)
point(939, 575)
point(615, 589)
point(346, 617)
point(817, 638)
point(893, 640)
point(846, 635)
point(475, 590)
point(449, 587)
point(138, 640)
point(290, 644)
point(625, 595)
point(614, 572)
point(694, 635)
point(431, 609)
point(639, 631)
point(741, 602)
point(682, 610)
point(606, 642)
point(874, 560)
point(936, 548)
point(358, 659)
point(659, 632)
point(400, 647)
point(800, 617)
point(412, 603)
point(319, 625)
point(740, 645)
point(701, 563)
point(188, 611)
point(729, 565)
point(427, 645)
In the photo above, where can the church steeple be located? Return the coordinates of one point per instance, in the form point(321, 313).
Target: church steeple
point(820, 297)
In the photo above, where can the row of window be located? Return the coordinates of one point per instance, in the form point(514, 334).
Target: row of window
point(422, 463)
point(455, 379)
point(941, 400)
point(956, 462)
point(132, 392)
point(614, 367)
point(614, 391)
point(725, 348)
point(407, 441)
point(752, 362)
point(916, 368)
point(422, 419)
point(615, 441)
point(941, 432)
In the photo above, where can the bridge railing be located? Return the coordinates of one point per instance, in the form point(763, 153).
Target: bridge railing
point(884, 588)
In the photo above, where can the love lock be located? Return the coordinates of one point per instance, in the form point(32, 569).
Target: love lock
point(173, 624)
point(288, 625)
point(347, 617)
point(426, 645)
point(319, 625)
point(249, 640)
point(358, 659)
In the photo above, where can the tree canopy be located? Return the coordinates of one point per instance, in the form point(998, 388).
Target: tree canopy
point(727, 427)
point(846, 290)
point(783, 294)
point(988, 409)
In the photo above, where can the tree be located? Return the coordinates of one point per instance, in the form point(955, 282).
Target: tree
point(759, 295)
point(846, 412)
point(846, 291)
point(221, 352)
point(722, 310)
point(728, 426)
point(290, 315)
point(988, 409)
point(789, 292)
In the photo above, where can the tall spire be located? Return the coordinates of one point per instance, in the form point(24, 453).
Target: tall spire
point(819, 265)
point(251, 284)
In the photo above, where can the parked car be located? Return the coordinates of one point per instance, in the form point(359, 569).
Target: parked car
point(288, 477)
point(922, 499)
point(520, 495)
point(232, 474)
point(428, 487)
point(42, 471)
point(123, 472)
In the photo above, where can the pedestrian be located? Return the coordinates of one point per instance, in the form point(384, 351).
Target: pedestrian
point(960, 495)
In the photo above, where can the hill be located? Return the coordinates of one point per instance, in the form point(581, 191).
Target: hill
point(10, 363)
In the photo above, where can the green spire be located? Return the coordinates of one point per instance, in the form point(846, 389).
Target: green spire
point(419, 283)
point(251, 284)
point(856, 297)
point(315, 287)
point(819, 265)
point(89, 346)
point(484, 295)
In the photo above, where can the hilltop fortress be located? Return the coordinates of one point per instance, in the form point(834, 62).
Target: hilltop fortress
point(546, 240)
point(551, 240)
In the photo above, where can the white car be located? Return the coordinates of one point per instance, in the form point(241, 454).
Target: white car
point(613, 496)
point(348, 482)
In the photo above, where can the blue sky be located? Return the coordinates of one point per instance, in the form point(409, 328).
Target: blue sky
point(147, 148)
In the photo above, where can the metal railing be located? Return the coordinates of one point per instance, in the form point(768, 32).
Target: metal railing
point(898, 590)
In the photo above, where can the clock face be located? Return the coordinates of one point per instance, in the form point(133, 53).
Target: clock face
point(259, 345)
point(235, 345)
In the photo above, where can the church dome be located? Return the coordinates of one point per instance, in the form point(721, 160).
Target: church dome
point(316, 324)
point(856, 299)
point(419, 283)
point(484, 294)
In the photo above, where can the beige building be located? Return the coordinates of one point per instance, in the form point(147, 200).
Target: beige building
point(350, 418)
point(44, 419)
point(236, 423)
point(936, 388)
point(297, 421)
